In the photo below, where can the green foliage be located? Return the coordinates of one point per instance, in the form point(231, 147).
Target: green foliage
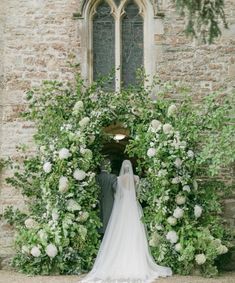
point(203, 18)
point(59, 234)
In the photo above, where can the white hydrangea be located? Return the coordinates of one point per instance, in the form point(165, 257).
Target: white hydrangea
point(77, 107)
point(35, 251)
point(156, 125)
point(51, 250)
point(25, 249)
point(172, 237)
point(186, 188)
point(84, 122)
point(179, 199)
point(154, 240)
point(178, 213)
point(183, 144)
point(200, 259)
point(178, 247)
point(64, 153)
point(63, 184)
point(171, 110)
point(42, 235)
point(222, 249)
point(172, 220)
point(79, 174)
point(84, 215)
point(151, 152)
point(197, 211)
point(167, 129)
point(55, 215)
point(178, 162)
point(162, 173)
point(176, 180)
point(47, 166)
point(30, 223)
point(190, 153)
point(72, 205)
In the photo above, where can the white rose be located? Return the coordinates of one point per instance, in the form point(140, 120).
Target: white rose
point(197, 211)
point(176, 180)
point(172, 220)
point(151, 152)
point(35, 251)
point(178, 162)
point(180, 199)
point(47, 167)
point(64, 153)
point(222, 249)
point(178, 247)
point(186, 188)
point(63, 184)
point(156, 125)
point(51, 250)
point(190, 153)
point(79, 174)
point(171, 110)
point(167, 129)
point(178, 213)
point(84, 122)
point(200, 259)
point(72, 205)
point(30, 223)
point(172, 237)
point(25, 250)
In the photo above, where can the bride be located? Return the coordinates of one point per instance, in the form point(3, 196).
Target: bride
point(124, 255)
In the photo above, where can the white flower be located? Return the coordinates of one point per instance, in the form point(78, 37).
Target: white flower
point(197, 211)
point(47, 167)
point(30, 223)
point(42, 148)
point(154, 240)
point(172, 220)
point(176, 180)
point(178, 162)
point(167, 129)
point(51, 250)
point(171, 110)
point(25, 250)
point(183, 144)
point(151, 152)
point(222, 249)
point(83, 216)
point(178, 247)
point(72, 205)
point(42, 235)
point(186, 188)
point(200, 259)
point(63, 184)
point(172, 237)
point(55, 215)
point(180, 199)
point(35, 251)
point(78, 106)
point(79, 174)
point(190, 153)
point(162, 172)
point(82, 231)
point(178, 213)
point(84, 122)
point(64, 153)
point(156, 125)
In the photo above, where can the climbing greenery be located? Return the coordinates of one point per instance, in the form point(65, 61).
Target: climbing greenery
point(203, 18)
point(177, 145)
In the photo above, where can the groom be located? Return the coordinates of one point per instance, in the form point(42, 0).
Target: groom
point(108, 184)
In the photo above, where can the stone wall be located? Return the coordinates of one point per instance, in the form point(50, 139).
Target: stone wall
point(38, 37)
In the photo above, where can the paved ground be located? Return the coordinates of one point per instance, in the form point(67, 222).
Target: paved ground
point(13, 277)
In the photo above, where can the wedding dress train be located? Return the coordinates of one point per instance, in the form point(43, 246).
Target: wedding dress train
point(124, 254)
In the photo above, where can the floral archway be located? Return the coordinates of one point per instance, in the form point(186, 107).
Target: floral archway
point(59, 231)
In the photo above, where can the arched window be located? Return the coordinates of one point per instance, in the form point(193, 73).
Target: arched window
point(118, 36)
point(117, 41)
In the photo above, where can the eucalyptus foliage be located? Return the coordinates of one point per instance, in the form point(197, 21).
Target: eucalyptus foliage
point(59, 231)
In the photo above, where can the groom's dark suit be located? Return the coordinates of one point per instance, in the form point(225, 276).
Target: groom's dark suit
point(108, 184)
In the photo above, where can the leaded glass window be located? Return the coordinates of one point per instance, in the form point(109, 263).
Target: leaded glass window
point(118, 32)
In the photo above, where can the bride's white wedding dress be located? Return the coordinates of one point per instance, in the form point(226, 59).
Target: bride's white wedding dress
point(124, 254)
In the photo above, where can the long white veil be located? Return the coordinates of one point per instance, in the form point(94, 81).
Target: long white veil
point(124, 255)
